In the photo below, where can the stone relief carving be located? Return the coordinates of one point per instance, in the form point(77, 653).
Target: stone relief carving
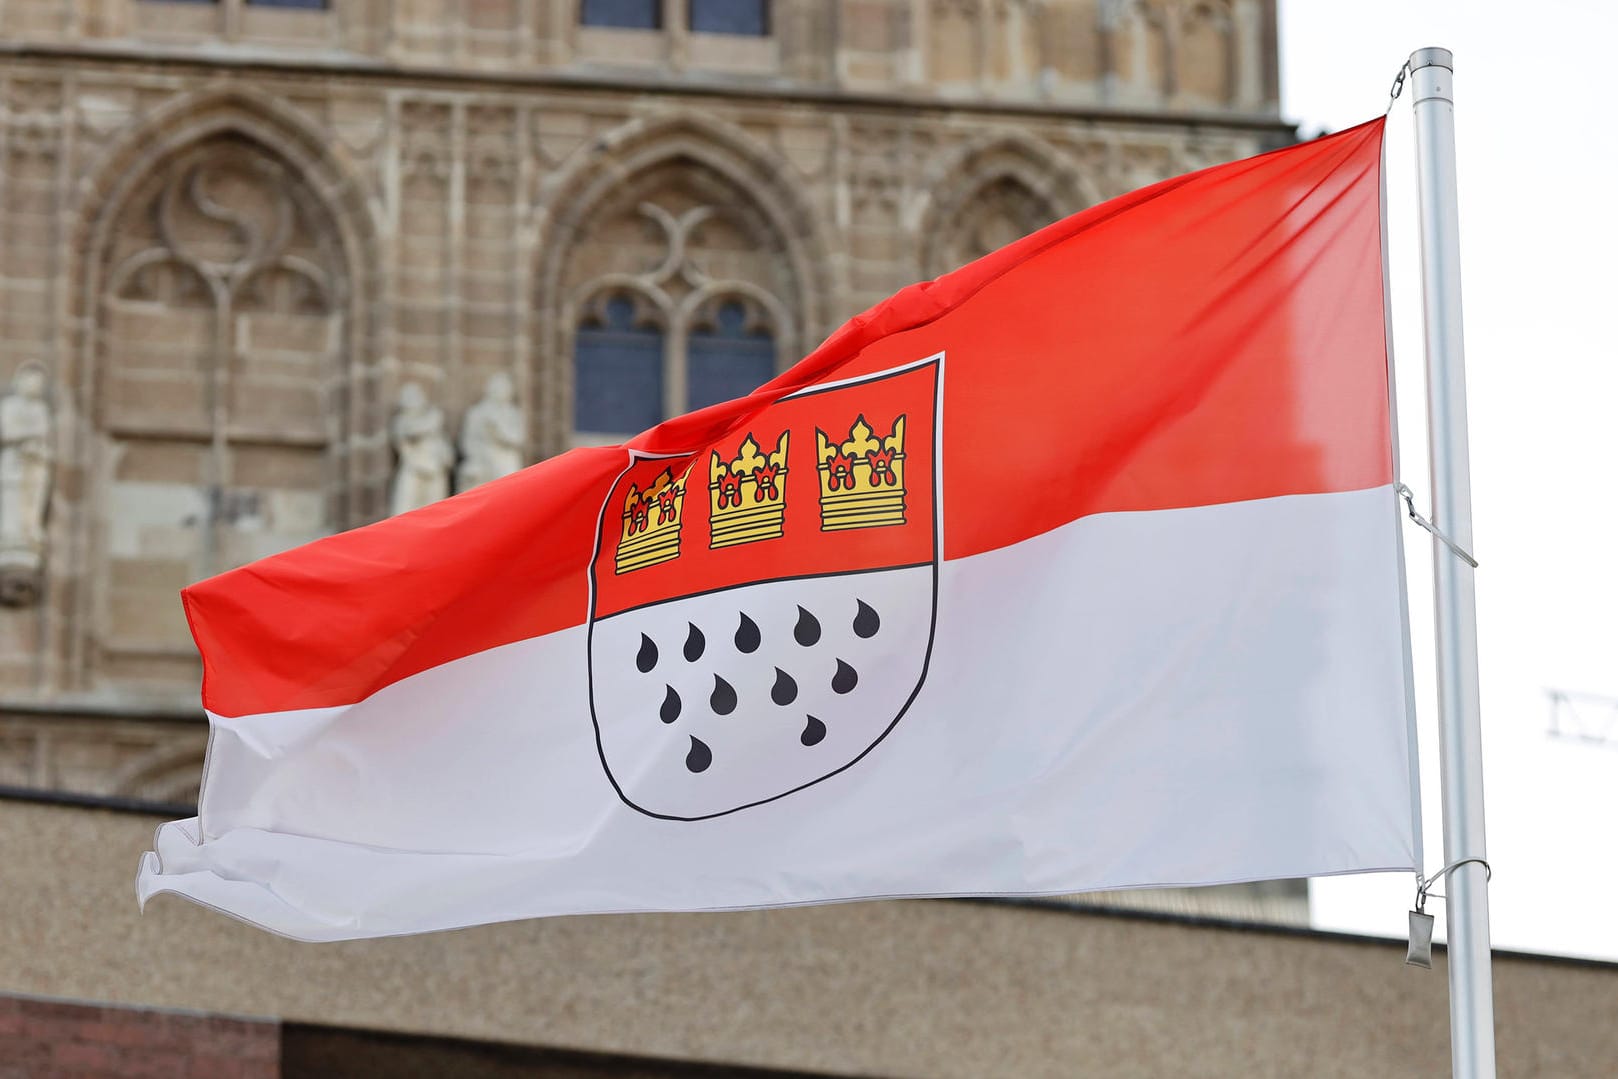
point(226, 220)
point(424, 453)
point(426, 150)
point(35, 122)
point(491, 137)
point(25, 474)
point(492, 435)
point(877, 172)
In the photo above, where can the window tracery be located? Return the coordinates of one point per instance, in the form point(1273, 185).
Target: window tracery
point(680, 303)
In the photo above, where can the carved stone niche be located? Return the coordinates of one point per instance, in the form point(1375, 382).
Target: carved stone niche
point(1002, 209)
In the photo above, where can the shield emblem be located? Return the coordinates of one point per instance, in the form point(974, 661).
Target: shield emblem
point(762, 610)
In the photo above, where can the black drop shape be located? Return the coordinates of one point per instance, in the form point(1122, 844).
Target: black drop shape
point(845, 679)
point(807, 631)
point(723, 698)
point(866, 622)
point(700, 756)
point(813, 732)
point(747, 635)
point(671, 706)
point(695, 642)
point(785, 690)
point(646, 658)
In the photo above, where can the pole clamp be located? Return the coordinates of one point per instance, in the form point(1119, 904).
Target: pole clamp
point(1410, 504)
point(1424, 885)
point(1420, 951)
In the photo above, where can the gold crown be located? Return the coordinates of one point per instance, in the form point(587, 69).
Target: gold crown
point(748, 496)
point(651, 523)
point(862, 480)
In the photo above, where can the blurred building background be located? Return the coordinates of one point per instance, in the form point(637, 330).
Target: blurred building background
point(234, 231)
point(240, 239)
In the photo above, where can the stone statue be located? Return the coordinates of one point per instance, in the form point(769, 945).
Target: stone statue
point(25, 476)
point(425, 454)
point(492, 435)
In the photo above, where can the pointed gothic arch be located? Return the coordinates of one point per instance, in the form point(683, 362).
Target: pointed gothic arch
point(223, 373)
point(696, 214)
point(988, 193)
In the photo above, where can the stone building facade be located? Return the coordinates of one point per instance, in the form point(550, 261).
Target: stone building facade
point(232, 232)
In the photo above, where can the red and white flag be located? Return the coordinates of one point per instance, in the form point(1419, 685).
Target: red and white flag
point(1078, 568)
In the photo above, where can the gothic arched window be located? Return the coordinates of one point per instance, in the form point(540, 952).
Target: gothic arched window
point(622, 14)
point(681, 281)
point(628, 376)
point(749, 17)
point(730, 353)
point(618, 383)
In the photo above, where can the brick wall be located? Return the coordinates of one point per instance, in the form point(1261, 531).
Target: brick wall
point(47, 1039)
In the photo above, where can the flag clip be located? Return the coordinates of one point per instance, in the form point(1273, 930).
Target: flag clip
point(1410, 504)
point(1398, 87)
point(1420, 951)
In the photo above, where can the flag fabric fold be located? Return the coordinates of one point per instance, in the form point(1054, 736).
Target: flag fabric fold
point(1077, 568)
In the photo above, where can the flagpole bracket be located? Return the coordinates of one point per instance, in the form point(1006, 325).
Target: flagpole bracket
point(1420, 951)
point(1410, 505)
point(1424, 885)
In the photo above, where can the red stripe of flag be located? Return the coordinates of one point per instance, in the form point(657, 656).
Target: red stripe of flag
point(1212, 338)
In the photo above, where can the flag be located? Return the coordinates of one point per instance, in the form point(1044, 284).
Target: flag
point(1075, 569)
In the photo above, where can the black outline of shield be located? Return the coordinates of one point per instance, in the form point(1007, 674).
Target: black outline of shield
point(936, 360)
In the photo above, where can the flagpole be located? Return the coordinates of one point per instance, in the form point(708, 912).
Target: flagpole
point(1471, 999)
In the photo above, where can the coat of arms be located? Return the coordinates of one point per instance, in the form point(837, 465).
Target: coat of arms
point(762, 610)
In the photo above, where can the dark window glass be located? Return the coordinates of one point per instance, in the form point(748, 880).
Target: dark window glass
point(731, 17)
point(617, 373)
point(726, 361)
point(315, 5)
point(627, 14)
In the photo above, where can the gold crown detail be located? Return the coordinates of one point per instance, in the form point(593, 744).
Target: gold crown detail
point(748, 496)
point(862, 480)
point(651, 523)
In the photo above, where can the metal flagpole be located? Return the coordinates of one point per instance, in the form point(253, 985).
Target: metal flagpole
point(1471, 993)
